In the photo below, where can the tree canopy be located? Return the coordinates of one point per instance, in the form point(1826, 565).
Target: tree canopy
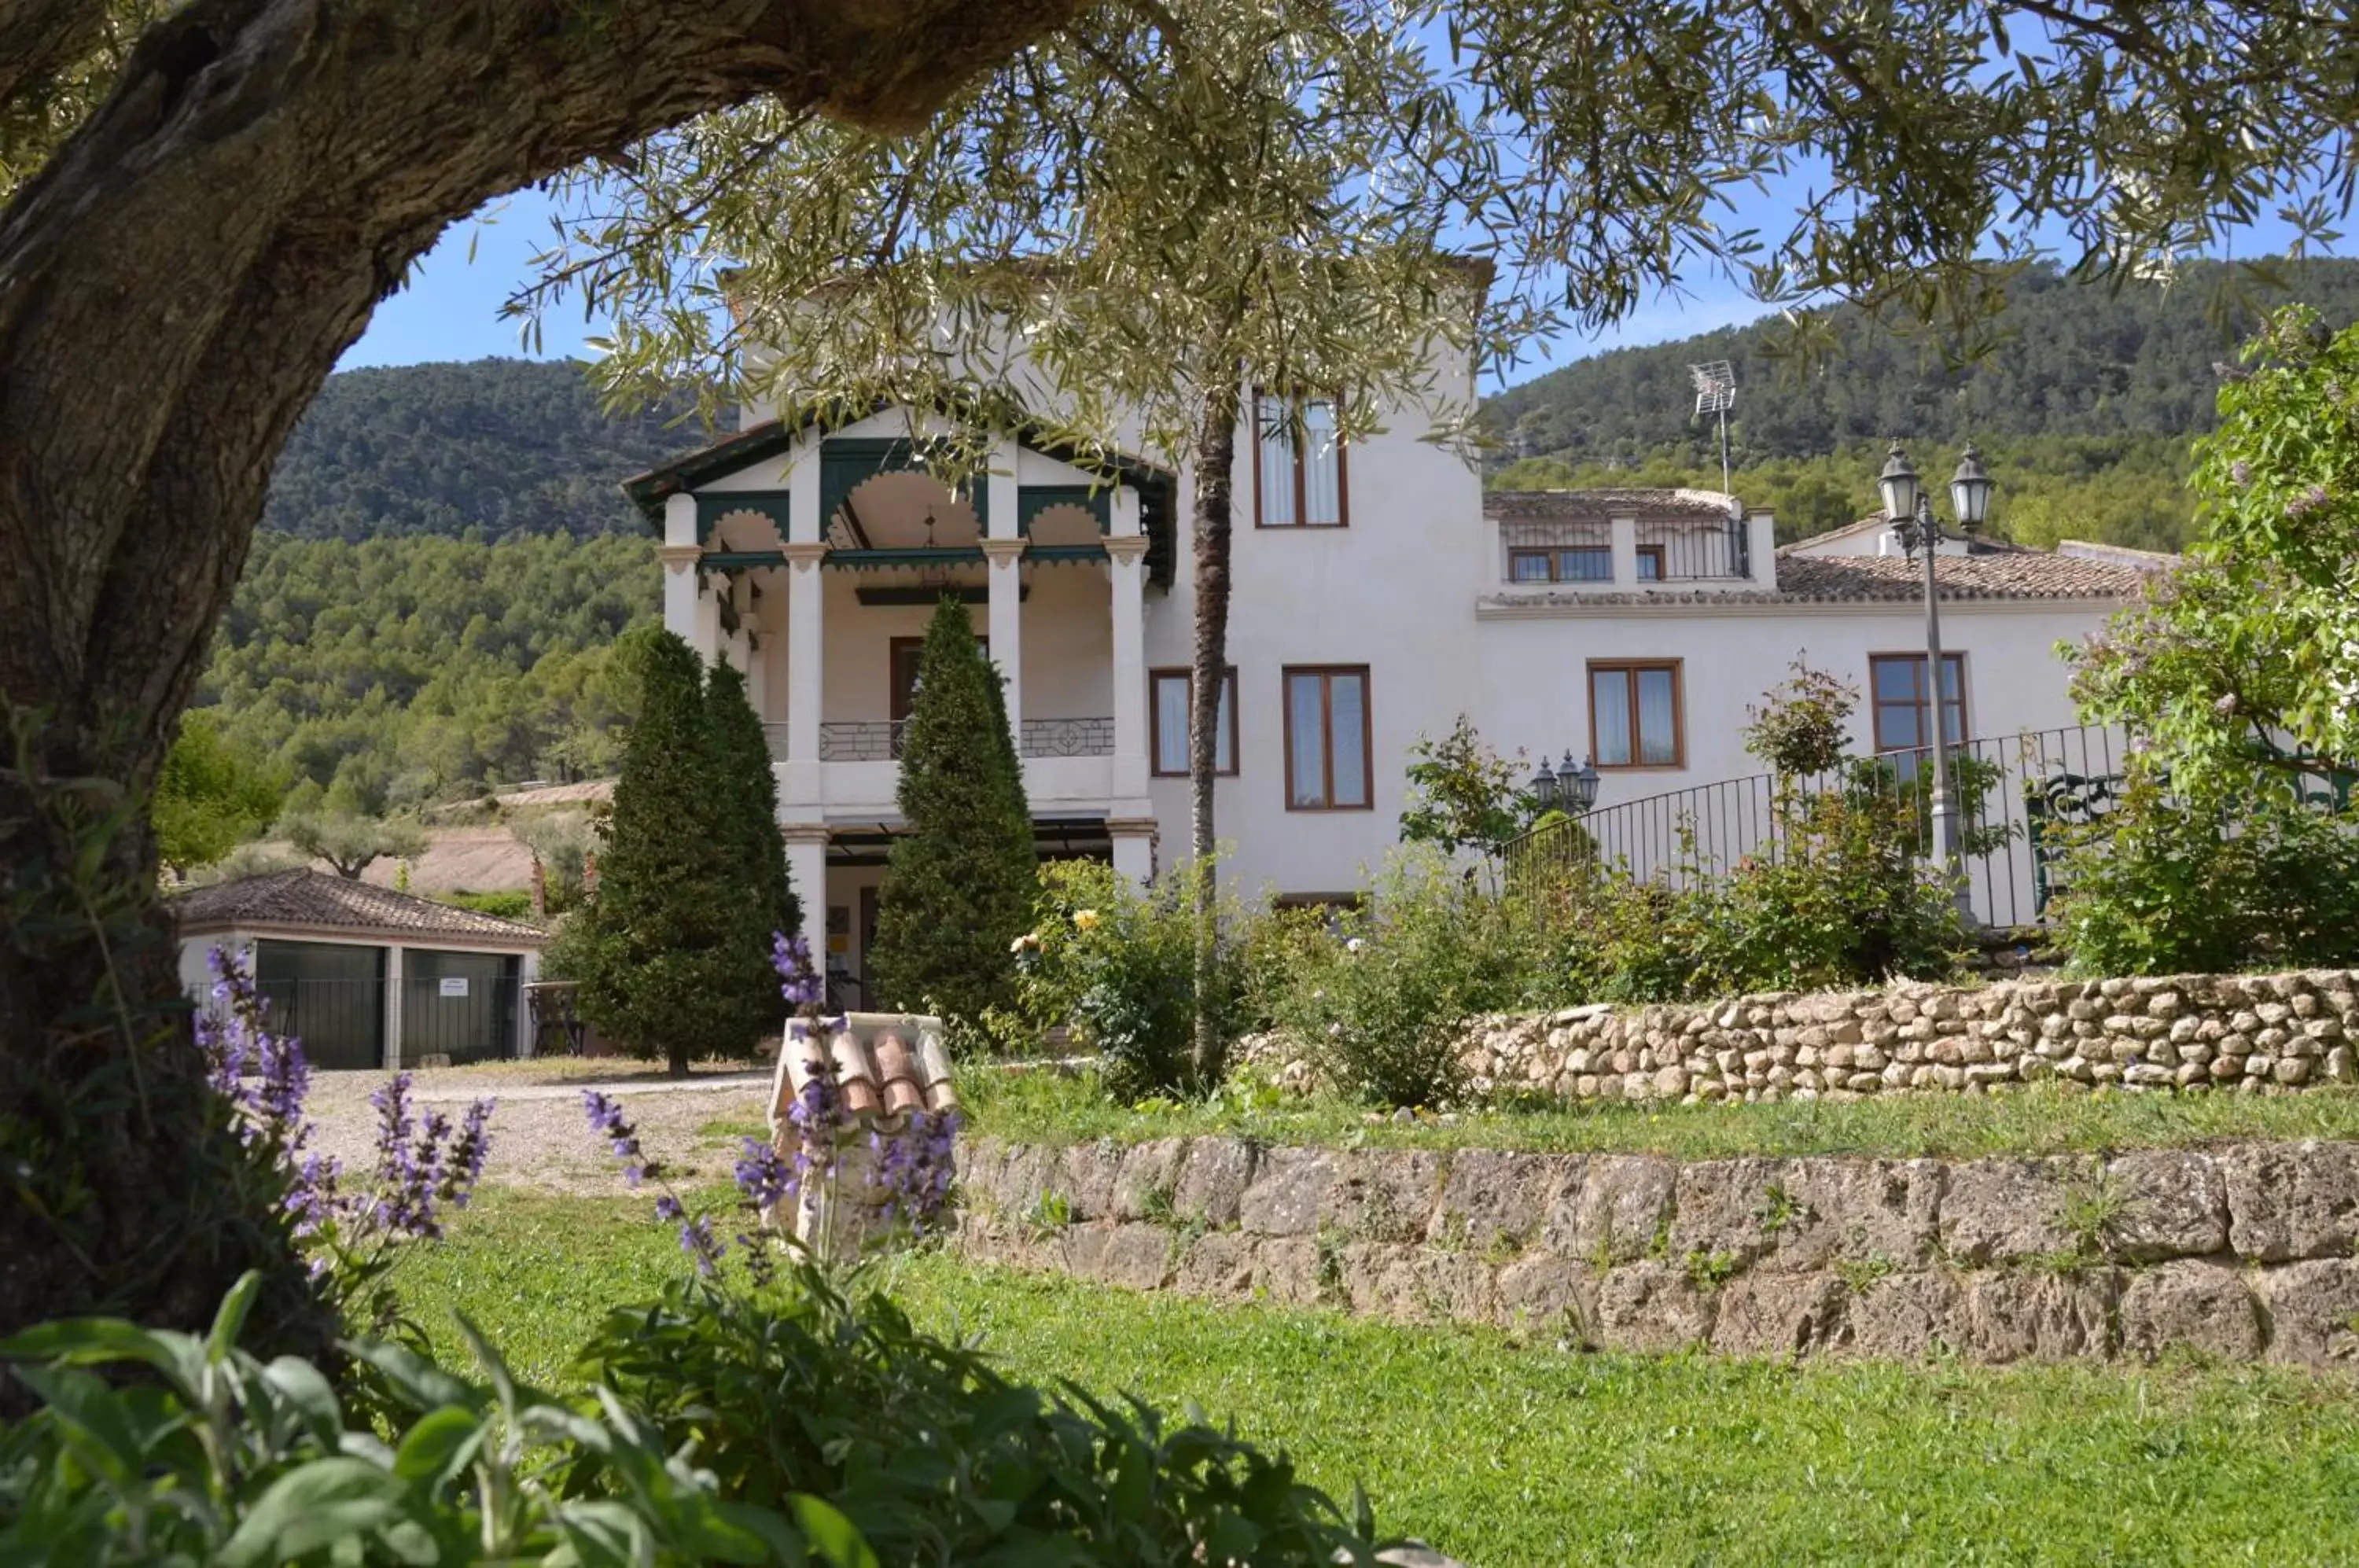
point(2243, 667)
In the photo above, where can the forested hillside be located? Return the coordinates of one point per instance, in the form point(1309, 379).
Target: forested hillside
point(400, 671)
point(508, 447)
point(2082, 407)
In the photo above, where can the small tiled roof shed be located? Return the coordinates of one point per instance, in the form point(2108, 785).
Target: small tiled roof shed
point(366, 976)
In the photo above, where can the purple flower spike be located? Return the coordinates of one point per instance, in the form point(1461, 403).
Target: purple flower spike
point(791, 957)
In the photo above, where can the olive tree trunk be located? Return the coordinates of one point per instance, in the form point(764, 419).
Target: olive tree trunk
point(1215, 481)
point(174, 286)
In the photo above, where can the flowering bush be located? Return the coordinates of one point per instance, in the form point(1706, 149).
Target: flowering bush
point(351, 1230)
point(2166, 885)
point(1379, 997)
point(1119, 966)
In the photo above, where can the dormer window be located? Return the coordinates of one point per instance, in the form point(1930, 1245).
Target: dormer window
point(1299, 480)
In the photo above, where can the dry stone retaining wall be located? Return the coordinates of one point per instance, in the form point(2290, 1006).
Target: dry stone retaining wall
point(2243, 1253)
point(2245, 1032)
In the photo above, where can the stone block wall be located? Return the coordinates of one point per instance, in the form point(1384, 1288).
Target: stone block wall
point(2242, 1253)
point(2243, 1032)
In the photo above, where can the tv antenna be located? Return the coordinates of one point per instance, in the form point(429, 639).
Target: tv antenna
point(1716, 390)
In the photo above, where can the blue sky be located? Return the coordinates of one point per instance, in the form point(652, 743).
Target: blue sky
point(451, 309)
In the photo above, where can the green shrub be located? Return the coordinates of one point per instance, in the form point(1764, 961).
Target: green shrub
point(1379, 997)
point(1118, 965)
point(672, 953)
point(217, 1457)
point(708, 1427)
point(2161, 885)
point(959, 888)
point(934, 1455)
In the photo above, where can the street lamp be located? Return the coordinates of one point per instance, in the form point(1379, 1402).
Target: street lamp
point(1574, 789)
point(1910, 508)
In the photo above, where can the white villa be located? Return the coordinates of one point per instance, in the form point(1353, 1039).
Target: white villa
point(1378, 594)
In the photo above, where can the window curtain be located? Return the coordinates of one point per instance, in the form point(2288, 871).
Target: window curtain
point(1171, 724)
point(1276, 447)
point(1348, 704)
point(1306, 736)
point(1658, 718)
point(1322, 467)
point(1609, 700)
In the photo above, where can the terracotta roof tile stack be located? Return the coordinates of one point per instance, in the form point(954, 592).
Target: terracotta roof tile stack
point(886, 1066)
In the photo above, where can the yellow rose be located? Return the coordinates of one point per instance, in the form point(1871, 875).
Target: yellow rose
point(1086, 920)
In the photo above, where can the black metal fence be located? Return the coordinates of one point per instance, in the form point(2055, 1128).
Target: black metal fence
point(2011, 792)
point(1693, 551)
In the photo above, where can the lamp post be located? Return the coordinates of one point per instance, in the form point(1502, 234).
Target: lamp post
point(1911, 507)
point(1573, 790)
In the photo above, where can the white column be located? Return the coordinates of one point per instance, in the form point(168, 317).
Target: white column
point(1625, 536)
point(679, 585)
point(1007, 624)
point(1134, 848)
point(1001, 484)
point(1122, 518)
point(799, 780)
point(393, 989)
point(1763, 546)
point(807, 865)
point(528, 1037)
point(1128, 556)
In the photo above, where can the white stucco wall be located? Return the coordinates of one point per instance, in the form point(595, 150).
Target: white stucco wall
point(1535, 672)
point(1397, 591)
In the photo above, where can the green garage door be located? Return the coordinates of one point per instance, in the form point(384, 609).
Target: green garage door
point(330, 996)
point(460, 1004)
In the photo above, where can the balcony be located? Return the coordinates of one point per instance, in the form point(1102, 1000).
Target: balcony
point(1581, 553)
point(1067, 763)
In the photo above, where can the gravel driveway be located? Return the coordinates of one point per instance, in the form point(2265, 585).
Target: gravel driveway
point(539, 1138)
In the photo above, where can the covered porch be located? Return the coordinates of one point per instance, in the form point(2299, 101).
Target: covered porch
point(847, 860)
point(812, 561)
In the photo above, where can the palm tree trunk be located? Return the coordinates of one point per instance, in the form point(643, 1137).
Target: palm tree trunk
point(1216, 457)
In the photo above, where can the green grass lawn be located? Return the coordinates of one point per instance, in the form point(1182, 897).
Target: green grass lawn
point(1510, 1455)
point(1042, 1106)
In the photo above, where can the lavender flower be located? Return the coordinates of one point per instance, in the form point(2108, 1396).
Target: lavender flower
point(914, 1169)
point(763, 1175)
point(696, 1239)
point(791, 957)
point(761, 1268)
point(667, 1208)
point(607, 1117)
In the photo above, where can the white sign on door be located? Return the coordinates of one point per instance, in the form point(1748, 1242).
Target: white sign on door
point(454, 985)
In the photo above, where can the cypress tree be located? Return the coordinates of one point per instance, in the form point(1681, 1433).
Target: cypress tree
point(657, 951)
point(959, 888)
point(747, 793)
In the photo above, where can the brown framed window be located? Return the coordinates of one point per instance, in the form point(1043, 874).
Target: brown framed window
point(1329, 739)
point(1571, 563)
point(1650, 563)
point(1298, 484)
point(1635, 717)
point(1896, 681)
point(1169, 694)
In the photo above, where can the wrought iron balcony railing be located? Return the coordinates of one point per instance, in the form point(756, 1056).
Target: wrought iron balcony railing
point(1068, 737)
point(880, 740)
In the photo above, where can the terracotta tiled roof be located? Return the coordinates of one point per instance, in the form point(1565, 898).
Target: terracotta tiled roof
point(307, 898)
point(1628, 501)
point(2013, 575)
point(886, 1063)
